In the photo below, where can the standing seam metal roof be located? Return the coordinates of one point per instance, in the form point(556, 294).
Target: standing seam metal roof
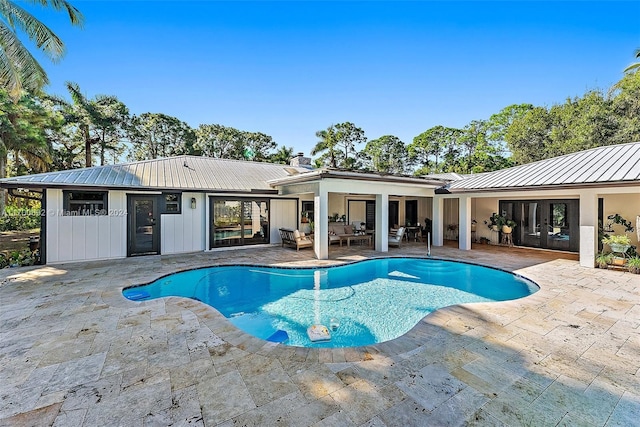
point(177, 173)
point(614, 163)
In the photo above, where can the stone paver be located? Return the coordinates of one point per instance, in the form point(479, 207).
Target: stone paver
point(74, 352)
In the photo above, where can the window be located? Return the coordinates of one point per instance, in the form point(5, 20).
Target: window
point(172, 203)
point(307, 206)
point(238, 221)
point(85, 203)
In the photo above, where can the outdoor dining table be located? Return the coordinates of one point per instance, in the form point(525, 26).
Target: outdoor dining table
point(413, 232)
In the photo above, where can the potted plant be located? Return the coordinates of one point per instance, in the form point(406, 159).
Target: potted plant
point(618, 243)
point(304, 217)
point(508, 225)
point(633, 265)
point(603, 259)
point(493, 222)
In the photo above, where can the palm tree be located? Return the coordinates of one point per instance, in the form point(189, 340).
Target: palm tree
point(18, 68)
point(98, 121)
point(282, 156)
point(328, 142)
point(635, 66)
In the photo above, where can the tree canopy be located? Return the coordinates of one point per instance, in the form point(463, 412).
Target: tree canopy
point(337, 144)
point(154, 135)
point(387, 154)
point(45, 132)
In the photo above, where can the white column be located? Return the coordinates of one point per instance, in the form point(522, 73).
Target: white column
point(588, 228)
point(464, 215)
point(438, 221)
point(382, 222)
point(321, 223)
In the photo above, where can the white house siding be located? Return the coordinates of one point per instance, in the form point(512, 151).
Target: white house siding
point(82, 238)
point(283, 214)
point(484, 208)
point(185, 232)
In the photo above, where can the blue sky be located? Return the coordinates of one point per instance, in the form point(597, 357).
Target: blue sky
point(291, 68)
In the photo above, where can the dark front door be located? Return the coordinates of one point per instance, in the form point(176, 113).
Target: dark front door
point(143, 226)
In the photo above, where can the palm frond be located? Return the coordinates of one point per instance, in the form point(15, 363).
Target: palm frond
point(57, 100)
point(76, 94)
point(18, 68)
point(39, 33)
point(75, 16)
point(634, 66)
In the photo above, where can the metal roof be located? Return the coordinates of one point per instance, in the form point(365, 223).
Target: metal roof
point(446, 176)
point(610, 164)
point(174, 173)
point(323, 173)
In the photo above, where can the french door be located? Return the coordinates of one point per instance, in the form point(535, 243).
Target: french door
point(546, 224)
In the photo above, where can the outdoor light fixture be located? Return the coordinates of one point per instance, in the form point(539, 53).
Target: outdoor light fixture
point(193, 203)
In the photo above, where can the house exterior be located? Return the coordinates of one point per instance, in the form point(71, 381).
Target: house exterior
point(189, 204)
point(157, 207)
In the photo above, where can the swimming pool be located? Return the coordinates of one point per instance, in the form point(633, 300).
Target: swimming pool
point(361, 303)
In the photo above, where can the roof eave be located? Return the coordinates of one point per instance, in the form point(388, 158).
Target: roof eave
point(542, 187)
point(42, 186)
point(322, 174)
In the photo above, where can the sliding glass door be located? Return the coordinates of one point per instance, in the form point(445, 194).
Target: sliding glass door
point(237, 222)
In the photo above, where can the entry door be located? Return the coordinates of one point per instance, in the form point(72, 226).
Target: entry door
point(144, 225)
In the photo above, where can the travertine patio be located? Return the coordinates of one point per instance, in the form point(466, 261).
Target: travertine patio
point(74, 352)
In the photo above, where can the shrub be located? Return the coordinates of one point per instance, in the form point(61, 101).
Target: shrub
point(603, 260)
point(17, 219)
point(633, 265)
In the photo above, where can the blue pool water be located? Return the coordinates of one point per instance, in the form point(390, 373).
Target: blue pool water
point(372, 301)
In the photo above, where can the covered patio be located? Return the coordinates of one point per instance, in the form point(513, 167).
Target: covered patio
point(356, 197)
point(75, 352)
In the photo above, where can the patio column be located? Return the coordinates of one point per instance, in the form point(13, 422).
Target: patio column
point(382, 222)
point(588, 228)
point(464, 214)
point(438, 220)
point(321, 223)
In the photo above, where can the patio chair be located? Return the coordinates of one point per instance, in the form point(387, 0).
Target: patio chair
point(302, 240)
point(396, 239)
point(295, 238)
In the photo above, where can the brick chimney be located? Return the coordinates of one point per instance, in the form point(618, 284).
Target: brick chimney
point(299, 160)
